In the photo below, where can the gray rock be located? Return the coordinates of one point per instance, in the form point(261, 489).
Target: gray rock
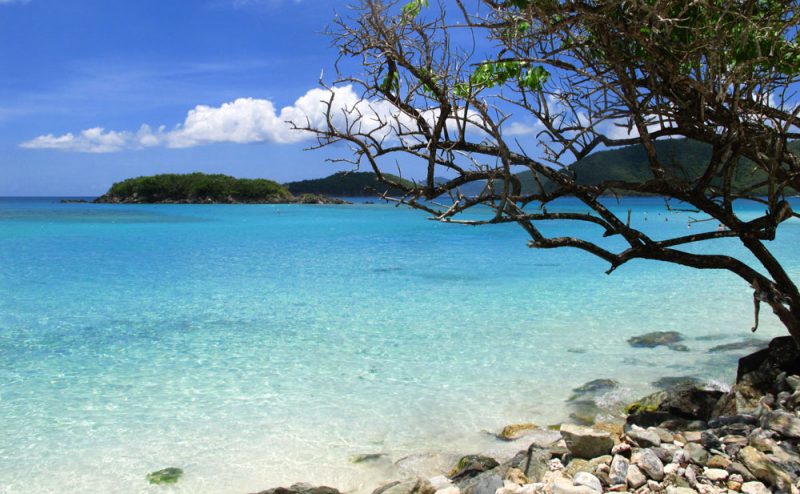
point(635, 477)
point(716, 474)
point(781, 422)
point(754, 488)
point(472, 465)
point(534, 464)
point(763, 469)
point(588, 480)
point(303, 488)
point(726, 420)
point(737, 468)
point(696, 453)
point(748, 344)
point(618, 472)
point(663, 434)
point(654, 339)
point(644, 438)
point(485, 483)
point(649, 463)
point(793, 382)
point(585, 442)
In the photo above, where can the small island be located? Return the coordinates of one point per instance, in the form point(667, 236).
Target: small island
point(201, 188)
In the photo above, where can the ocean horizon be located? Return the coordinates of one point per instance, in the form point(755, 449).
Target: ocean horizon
point(261, 345)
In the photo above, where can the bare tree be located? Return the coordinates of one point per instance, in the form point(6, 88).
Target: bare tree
point(440, 83)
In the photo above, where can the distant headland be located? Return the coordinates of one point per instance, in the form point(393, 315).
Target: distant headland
point(201, 188)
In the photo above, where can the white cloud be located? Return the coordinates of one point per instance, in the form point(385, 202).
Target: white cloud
point(244, 121)
point(521, 129)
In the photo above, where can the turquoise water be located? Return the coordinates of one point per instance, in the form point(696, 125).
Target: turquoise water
point(254, 346)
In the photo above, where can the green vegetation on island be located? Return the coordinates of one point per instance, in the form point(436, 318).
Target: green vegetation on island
point(345, 184)
point(201, 188)
point(683, 159)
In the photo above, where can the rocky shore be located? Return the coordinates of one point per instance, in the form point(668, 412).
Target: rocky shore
point(685, 439)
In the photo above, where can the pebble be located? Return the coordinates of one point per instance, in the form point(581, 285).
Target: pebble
point(718, 461)
point(754, 488)
point(680, 490)
point(623, 449)
point(588, 480)
point(649, 463)
point(696, 453)
point(635, 477)
point(644, 437)
point(619, 470)
point(715, 474)
point(693, 436)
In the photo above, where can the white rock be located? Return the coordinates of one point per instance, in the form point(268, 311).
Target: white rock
point(535, 488)
point(449, 490)
point(562, 485)
point(671, 468)
point(715, 474)
point(588, 480)
point(754, 488)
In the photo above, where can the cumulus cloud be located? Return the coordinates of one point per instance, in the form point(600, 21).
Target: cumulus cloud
point(245, 121)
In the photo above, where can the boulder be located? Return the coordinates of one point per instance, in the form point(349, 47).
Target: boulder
point(782, 422)
point(485, 483)
point(533, 463)
point(585, 442)
point(680, 405)
point(471, 465)
point(763, 469)
point(757, 376)
point(516, 431)
point(302, 488)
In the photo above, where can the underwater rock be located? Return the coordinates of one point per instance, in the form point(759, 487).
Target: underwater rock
point(166, 476)
point(654, 339)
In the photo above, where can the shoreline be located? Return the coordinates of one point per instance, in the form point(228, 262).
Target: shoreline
point(686, 439)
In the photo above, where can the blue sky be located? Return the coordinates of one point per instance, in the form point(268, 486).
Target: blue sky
point(71, 68)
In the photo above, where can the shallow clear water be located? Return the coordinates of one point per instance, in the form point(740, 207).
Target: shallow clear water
point(256, 346)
